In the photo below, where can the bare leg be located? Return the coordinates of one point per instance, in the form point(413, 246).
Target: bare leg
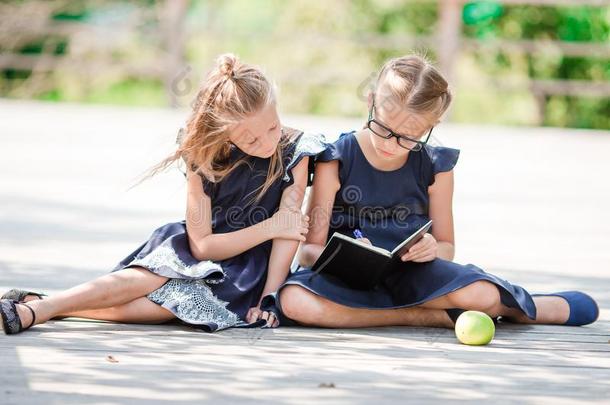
point(312, 310)
point(549, 310)
point(107, 291)
point(309, 309)
point(484, 296)
point(140, 310)
point(29, 298)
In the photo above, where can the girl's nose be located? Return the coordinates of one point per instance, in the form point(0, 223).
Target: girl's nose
point(391, 144)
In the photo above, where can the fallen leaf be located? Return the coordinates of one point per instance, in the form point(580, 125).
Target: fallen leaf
point(111, 359)
point(326, 385)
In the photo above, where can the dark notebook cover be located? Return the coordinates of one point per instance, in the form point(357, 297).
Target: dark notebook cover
point(360, 265)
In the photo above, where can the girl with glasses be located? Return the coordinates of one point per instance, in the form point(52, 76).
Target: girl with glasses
point(384, 182)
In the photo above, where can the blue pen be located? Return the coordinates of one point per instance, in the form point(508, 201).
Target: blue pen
point(358, 234)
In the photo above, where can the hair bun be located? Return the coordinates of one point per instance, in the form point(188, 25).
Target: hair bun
point(226, 64)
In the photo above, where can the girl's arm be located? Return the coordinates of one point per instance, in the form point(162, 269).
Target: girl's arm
point(441, 242)
point(206, 245)
point(283, 250)
point(441, 212)
point(319, 209)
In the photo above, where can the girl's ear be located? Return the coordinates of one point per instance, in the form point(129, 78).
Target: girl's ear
point(370, 101)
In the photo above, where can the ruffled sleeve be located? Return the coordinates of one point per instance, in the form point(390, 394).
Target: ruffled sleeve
point(306, 144)
point(341, 150)
point(443, 159)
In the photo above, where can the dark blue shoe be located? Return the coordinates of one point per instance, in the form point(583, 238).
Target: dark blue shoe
point(583, 308)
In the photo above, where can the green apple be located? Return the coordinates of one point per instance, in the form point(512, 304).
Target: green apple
point(474, 328)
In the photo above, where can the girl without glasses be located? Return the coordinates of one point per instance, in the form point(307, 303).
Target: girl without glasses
point(246, 177)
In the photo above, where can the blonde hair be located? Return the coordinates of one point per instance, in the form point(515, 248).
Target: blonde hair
point(415, 84)
point(231, 92)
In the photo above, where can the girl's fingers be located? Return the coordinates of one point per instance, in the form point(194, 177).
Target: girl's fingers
point(410, 256)
point(252, 315)
point(425, 256)
point(424, 244)
point(424, 250)
point(413, 253)
point(416, 259)
point(419, 255)
point(418, 247)
point(422, 253)
point(297, 236)
point(272, 320)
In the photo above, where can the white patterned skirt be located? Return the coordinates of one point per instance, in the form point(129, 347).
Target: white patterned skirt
point(198, 293)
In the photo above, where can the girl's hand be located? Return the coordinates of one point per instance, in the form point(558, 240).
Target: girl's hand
point(289, 224)
point(423, 251)
point(255, 313)
point(364, 240)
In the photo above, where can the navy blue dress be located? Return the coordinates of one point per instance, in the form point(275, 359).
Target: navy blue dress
point(215, 295)
point(388, 206)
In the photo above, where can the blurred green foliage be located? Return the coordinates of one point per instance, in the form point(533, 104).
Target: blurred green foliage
point(489, 20)
point(323, 54)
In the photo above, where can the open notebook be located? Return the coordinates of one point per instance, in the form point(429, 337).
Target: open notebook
point(358, 264)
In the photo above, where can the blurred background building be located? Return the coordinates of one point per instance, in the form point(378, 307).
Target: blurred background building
point(515, 62)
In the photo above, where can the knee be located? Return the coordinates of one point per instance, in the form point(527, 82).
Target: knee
point(480, 295)
point(301, 305)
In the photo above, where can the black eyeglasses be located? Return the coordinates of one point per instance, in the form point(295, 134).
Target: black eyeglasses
point(384, 132)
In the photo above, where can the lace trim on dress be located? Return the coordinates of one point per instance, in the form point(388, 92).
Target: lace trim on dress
point(164, 255)
point(309, 144)
point(193, 301)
